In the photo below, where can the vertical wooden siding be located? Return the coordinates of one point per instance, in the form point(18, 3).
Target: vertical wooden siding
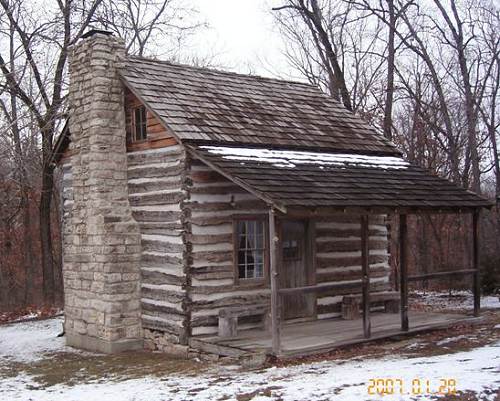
point(157, 135)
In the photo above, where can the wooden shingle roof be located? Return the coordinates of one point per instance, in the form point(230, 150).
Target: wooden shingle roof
point(199, 104)
point(286, 142)
point(290, 179)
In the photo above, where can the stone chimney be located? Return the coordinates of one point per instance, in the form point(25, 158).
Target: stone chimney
point(102, 242)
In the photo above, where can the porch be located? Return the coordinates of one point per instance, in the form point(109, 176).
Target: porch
point(316, 336)
point(302, 189)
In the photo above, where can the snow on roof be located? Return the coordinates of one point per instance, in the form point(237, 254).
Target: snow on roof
point(290, 159)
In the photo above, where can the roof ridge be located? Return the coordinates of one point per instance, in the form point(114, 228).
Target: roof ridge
point(225, 72)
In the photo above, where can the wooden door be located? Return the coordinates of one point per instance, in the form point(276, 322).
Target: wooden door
point(296, 269)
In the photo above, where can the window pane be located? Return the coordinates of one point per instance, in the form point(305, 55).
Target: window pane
point(259, 243)
point(260, 227)
point(259, 271)
point(251, 235)
point(241, 271)
point(241, 228)
point(143, 122)
point(249, 242)
point(140, 123)
point(258, 256)
point(242, 242)
point(251, 248)
point(250, 271)
point(250, 257)
point(241, 257)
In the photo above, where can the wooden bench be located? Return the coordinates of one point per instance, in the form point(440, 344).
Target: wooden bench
point(228, 318)
point(351, 303)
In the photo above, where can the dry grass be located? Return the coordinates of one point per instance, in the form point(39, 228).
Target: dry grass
point(76, 368)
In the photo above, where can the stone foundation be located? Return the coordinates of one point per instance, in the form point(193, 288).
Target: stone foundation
point(100, 345)
point(155, 340)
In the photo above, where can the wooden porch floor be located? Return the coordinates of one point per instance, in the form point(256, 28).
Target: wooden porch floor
point(323, 335)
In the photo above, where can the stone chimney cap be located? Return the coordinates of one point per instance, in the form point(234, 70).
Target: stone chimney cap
point(93, 32)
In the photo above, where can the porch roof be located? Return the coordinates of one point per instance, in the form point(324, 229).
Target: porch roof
point(289, 179)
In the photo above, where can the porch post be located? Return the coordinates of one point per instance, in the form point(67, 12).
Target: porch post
point(275, 297)
point(403, 270)
point(365, 271)
point(475, 254)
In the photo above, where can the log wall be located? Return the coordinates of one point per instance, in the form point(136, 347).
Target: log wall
point(338, 259)
point(185, 211)
point(156, 192)
point(156, 183)
point(214, 200)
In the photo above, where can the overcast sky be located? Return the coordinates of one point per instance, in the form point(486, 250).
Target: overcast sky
point(242, 35)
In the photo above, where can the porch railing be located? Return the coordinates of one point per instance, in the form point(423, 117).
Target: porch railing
point(277, 292)
point(438, 275)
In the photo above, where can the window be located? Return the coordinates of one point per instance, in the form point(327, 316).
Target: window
point(139, 124)
point(250, 248)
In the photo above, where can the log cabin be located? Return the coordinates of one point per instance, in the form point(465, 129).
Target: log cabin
point(208, 212)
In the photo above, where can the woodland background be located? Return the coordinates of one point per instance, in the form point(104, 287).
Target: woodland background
point(425, 73)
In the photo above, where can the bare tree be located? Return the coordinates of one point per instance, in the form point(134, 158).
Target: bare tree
point(458, 39)
point(149, 25)
point(34, 77)
point(45, 100)
point(319, 27)
point(489, 107)
point(20, 174)
point(435, 92)
point(391, 55)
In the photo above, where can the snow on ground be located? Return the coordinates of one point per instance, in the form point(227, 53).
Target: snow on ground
point(459, 300)
point(490, 302)
point(28, 313)
point(29, 341)
point(476, 370)
point(452, 339)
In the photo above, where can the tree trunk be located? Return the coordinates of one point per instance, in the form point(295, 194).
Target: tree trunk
point(29, 259)
point(389, 98)
point(45, 232)
point(58, 277)
point(460, 45)
point(316, 18)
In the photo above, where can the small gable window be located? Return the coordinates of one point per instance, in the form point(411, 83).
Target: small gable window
point(250, 248)
point(139, 124)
